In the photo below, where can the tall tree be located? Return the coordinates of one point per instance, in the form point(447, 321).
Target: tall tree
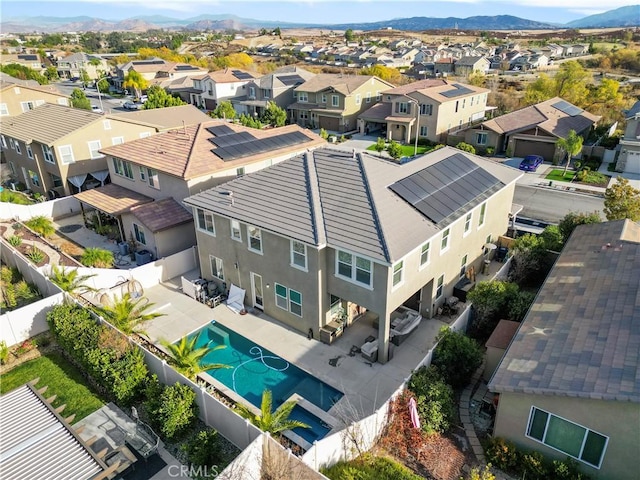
point(224, 110)
point(274, 115)
point(136, 82)
point(572, 219)
point(572, 145)
point(349, 35)
point(622, 201)
point(79, 100)
point(571, 82)
point(387, 74)
point(187, 357)
point(268, 420)
point(157, 97)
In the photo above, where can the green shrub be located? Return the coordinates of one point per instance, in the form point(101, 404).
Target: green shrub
point(41, 225)
point(490, 150)
point(394, 149)
point(15, 241)
point(534, 466)
point(10, 196)
point(369, 467)
point(478, 473)
point(4, 352)
point(204, 449)
point(435, 400)
point(36, 255)
point(456, 357)
point(342, 139)
point(172, 409)
point(97, 257)
point(501, 453)
point(465, 147)
point(323, 134)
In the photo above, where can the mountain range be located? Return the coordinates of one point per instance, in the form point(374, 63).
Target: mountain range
point(621, 17)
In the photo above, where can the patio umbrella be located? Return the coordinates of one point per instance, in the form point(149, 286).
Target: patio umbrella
point(413, 412)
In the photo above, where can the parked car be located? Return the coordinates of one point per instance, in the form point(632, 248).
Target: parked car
point(129, 105)
point(96, 109)
point(530, 163)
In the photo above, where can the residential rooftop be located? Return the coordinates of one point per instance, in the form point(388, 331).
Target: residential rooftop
point(345, 84)
point(164, 118)
point(581, 336)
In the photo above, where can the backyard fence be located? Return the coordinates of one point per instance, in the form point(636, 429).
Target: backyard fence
point(58, 208)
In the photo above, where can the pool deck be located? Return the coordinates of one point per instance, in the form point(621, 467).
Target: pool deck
point(366, 385)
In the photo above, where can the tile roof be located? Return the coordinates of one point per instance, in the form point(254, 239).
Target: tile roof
point(415, 86)
point(542, 115)
point(380, 111)
point(188, 153)
point(47, 123)
point(272, 80)
point(345, 84)
point(112, 199)
point(162, 214)
point(7, 82)
point(36, 443)
point(228, 75)
point(329, 197)
point(581, 336)
point(164, 118)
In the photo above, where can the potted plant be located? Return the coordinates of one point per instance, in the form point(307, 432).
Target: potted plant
point(133, 246)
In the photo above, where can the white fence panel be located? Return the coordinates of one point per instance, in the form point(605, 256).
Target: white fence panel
point(18, 325)
point(247, 465)
point(58, 208)
point(609, 156)
point(179, 263)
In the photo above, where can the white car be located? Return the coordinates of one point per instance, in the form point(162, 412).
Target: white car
point(96, 109)
point(129, 105)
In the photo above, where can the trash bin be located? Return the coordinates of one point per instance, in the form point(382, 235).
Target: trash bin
point(143, 257)
point(123, 247)
point(485, 267)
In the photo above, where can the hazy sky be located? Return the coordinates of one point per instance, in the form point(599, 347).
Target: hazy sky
point(314, 11)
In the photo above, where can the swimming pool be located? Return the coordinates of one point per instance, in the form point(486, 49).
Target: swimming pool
point(255, 369)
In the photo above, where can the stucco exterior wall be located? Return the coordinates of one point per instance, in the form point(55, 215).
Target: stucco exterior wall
point(617, 420)
point(13, 97)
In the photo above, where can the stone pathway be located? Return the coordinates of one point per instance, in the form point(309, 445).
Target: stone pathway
point(465, 415)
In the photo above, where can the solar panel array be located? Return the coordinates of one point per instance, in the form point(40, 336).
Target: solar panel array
point(186, 67)
point(567, 108)
point(148, 62)
point(289, 80)
point(220, 130)
point(240, 75)
point(242, 144)
point(444, 191)
point(457, 91)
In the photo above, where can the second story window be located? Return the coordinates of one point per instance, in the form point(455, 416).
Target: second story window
point(354, 268)
point(424, 254)
point(426, 109)
point(323, 98)
point(47, 154)
point(444, 246)
point(378, 95)
point(467, 222)
point(94, 147)
point(368, 97)
point(402, 107)
point(3, 109)
point(122, 168)
point(266, 93)
point(153, 179)
point(483, 211)
point(335, 101)
point(358, 99)
point(252, 92)
point(255, 239)
point(66, 154)
point(29, 152)
point(303, 97)
point(235, 230)
point(298, 254)
point(205, 221)
point(4, 141)
point(240, 172)
point(398, 269)
point(18, 149)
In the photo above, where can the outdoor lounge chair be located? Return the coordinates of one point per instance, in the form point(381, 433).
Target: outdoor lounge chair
point(235, 300)
point(370, 351)
point(403, 326)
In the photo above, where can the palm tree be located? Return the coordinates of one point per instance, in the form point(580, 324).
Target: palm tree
point(126, 314)
point(186, 357)
point(572, 144)
point(70, 280)
point(268, 421)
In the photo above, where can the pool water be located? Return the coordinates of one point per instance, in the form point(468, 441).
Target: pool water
point(255, 369)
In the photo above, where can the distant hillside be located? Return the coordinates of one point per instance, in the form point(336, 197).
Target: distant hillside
point(500, 22)
point(620, 17)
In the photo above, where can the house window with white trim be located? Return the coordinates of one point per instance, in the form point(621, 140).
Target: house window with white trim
point(354, 268)
point(106, 124)
point(145, 134)
point(236, 234)
point(29, 152)
point(467, 223)
point(481, 138)
point(323, 98)
point(35, 180)
point(217, 269)
point(152, 178)
point(282, 300)
point(117, 140)
point(358, 99)
point(335, 101)
point(567, 437)
point(4, 141)
point(122, 168)
point(378, 95)
point(402, 107)
point(47, 154)
point(463, 265)
point(205, 221)
point(288, 299)
point(63, 101)
point(423, 130)
point(3, 109)
point(426, 109)
point(94, 147)
point(255, 239)
point(252, 92)
point(56, 181)
point(26, 106)
point(143, 174)
point(66, 154)
point(368, 97)
point(12, 167)
point(424, 254)
point(138, 233)
point(12, 144)
point(440, 286)
point(398, 269)
point(444, 245)
point(303, 97)
point(298, 254)
point(18, 149)
point(483, 211)
point(295, 302)
point(240, 172)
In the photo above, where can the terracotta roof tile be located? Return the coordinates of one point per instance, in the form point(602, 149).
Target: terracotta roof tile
point(161, 214)
point(112, 199)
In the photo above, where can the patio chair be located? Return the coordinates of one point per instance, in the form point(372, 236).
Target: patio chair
point(370, 351)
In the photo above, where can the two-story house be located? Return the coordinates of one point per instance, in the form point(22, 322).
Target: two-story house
point(156, 70)
point(468, 65)
point(333, 228)
point(629, 156)
point(31, 60)
point(428, 108)
point(151, 176)
point(20, 96)
point(55, 149)
point(334, 101)
point(75, 64)
point(275, 87)
point(215, 87)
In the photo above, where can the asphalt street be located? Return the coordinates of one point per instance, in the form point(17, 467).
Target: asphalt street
point(108, 102)
point(551, 205)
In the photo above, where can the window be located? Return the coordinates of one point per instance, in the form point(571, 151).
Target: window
point(63, 101)
point(423, 130)
point(444, 246)
point(3, 109)
point(12, 167)
point(143, 174)
point(397, 273)
point(424, 254)
point(335, 101)
point(368, 97)
point(354, 268)
point(289, 299)
point(240, 172)
point(33, 176)
point(567, 437)
point(145, 134)
point(217, 269)
point(153, 179)
point(12, 144)
point(255, 239)
point(457, 104)
point(426, 109)
point(117, 140)
point(303, 97)
point(481, 138)
point(463, 266)
point(252, 92)
point(47, 153)
point(26, 106)
point(467, 222)
point(402, 107)
point(298, 254)
point(106, 124)
point(265, 93)
point(235, 230)
point(66, 153)
point(122, 168)
point(440, 286)
point(358, 99)
point(483, 210)
point(205, 221)
point(18, 149)
point(4, 141)
point(323, 98)
point(138, 232)
point(56, 181)
point(29, 152)
point(94, 146)
point(378, 95)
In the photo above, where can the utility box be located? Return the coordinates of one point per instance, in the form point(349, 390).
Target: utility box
point(143, 257)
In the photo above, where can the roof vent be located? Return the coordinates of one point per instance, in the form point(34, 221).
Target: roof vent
point(229, 194)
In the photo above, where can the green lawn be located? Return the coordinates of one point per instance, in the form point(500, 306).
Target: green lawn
point(407, 150)
point(10, 196)
point(557, 175)
point(63, 379)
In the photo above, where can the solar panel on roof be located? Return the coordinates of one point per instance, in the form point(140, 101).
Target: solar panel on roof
point(240, 75)
point(232, 139)
point(567, 108)
point(289, 80)
point(220, 130)
point(244, 144)
point(457, 91)
point(444, 191)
